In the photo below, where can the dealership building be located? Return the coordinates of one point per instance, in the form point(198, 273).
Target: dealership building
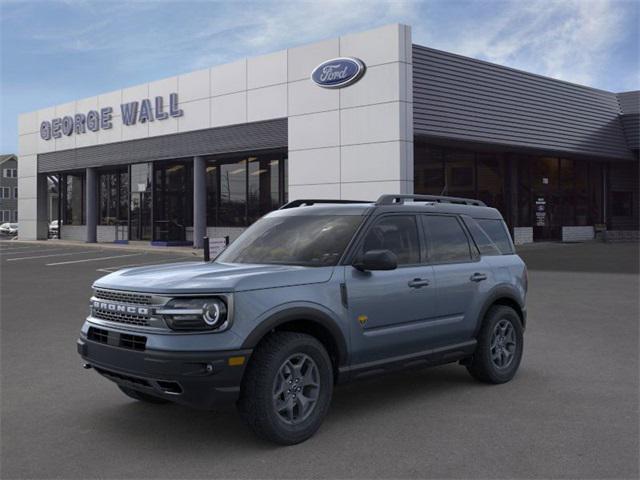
point(208, 152)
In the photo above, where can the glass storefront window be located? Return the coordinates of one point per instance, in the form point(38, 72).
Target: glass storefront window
point(241, 190)
point(428, 170)
point(460, 174)
point(233, 194)
point(490, 181)
point(543, 192)
point(73, 199)
point(173, 200)
point(113, 197)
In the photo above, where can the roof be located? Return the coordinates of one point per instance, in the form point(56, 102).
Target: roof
point(6, 158)
point(470, 100)
point(630, 117)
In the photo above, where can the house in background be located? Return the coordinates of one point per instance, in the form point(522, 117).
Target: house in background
point(9, 188)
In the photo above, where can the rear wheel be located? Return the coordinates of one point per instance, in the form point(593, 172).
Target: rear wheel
point(287, 388)
point(141, 396)
point(500, 345)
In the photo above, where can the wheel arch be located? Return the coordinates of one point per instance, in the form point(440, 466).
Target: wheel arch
point(304, 320)
point(506, 297)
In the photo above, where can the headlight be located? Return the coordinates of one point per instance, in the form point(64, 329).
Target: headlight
point(195, 314)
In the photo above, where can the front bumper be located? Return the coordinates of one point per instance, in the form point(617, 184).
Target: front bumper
point(196, 379)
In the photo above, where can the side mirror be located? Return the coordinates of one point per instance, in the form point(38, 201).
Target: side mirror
point(376, 260)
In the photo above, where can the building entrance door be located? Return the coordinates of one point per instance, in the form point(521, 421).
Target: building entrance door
point(546, 199)
point(140, 219)
point(140, 213)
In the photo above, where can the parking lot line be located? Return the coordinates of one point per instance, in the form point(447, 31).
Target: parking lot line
point(16, 248)
point(50, 255)
point(119, 267)
point(91, 259)
point(22, 251)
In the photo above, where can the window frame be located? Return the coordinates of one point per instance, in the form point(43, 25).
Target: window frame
point(355, 250)
point(474, 253)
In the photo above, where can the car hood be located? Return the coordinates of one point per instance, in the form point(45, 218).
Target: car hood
point(201, 277)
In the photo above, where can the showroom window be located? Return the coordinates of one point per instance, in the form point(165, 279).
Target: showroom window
point(73, 199)
point(459, 173)
point(242, 189)
point(113, 195)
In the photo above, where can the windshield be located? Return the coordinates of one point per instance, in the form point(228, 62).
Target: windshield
point(313, 240)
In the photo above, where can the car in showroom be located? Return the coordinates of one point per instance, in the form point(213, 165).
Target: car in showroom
point(9, 229)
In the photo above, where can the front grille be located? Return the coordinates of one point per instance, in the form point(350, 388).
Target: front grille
point(125, 297)
point(122, 340)
point(127, 318)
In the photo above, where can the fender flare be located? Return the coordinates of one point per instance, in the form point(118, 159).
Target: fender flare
point(300, 313)
point(503, 291)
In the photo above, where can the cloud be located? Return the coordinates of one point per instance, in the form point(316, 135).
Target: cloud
point(569, 40)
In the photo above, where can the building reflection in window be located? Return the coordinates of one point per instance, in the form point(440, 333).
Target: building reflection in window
point(73, 199)
point(242, 189)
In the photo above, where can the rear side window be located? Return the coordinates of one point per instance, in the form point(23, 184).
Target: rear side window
point(497, 231)
point(446, 239)
point(397, 233)
point(481, 238)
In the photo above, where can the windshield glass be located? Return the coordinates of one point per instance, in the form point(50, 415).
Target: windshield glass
point(313, 240)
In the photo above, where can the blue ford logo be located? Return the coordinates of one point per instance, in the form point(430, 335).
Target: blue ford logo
point(338, 73)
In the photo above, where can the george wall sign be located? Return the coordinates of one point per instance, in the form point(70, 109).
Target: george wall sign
point(94, 120)
point(339, 72)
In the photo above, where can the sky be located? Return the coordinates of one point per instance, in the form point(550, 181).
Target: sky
point(55, 51)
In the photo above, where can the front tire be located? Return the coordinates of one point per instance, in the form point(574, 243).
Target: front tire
point(141, 396)
point(500, 345)
point(287, 388)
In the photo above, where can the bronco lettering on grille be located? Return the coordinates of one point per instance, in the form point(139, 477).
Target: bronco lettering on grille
point(114, 307)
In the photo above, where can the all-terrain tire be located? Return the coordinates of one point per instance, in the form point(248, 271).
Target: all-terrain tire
point(264, 378)
point(141, 396)
point(493, 349)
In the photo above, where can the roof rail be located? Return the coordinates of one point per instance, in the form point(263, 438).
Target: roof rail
point(308, 202)
point(391, 199)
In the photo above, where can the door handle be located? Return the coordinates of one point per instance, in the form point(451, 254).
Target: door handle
point(418, 282)
point(478, 277)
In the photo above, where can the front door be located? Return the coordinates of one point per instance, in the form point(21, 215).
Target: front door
point(390, 311)
point(546, 201)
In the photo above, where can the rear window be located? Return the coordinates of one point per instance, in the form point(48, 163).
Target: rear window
point(498, 233)
point(446, 240)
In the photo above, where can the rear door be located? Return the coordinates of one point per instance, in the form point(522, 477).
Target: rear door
point(462, 277)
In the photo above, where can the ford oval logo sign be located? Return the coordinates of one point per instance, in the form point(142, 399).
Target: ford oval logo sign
point(338, 73)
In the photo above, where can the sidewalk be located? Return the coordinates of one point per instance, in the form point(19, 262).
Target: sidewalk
point(131, 246)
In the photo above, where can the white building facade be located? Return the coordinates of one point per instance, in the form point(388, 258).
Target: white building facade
point(208, 152)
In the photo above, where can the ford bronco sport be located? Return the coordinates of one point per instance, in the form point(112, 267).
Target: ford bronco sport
point(314, 294)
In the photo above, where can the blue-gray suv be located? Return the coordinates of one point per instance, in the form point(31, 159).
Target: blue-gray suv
point(314, 294)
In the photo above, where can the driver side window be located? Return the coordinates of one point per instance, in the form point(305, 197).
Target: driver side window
point(397, 233)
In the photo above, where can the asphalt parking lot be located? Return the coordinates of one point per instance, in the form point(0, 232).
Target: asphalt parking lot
point(571, 412)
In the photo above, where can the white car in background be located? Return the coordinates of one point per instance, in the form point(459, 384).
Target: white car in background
point(9, 228)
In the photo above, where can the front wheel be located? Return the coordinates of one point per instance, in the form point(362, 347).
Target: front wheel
point(500, 345)
point(287, 388)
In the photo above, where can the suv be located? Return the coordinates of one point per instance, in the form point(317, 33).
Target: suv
point(314, 294)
